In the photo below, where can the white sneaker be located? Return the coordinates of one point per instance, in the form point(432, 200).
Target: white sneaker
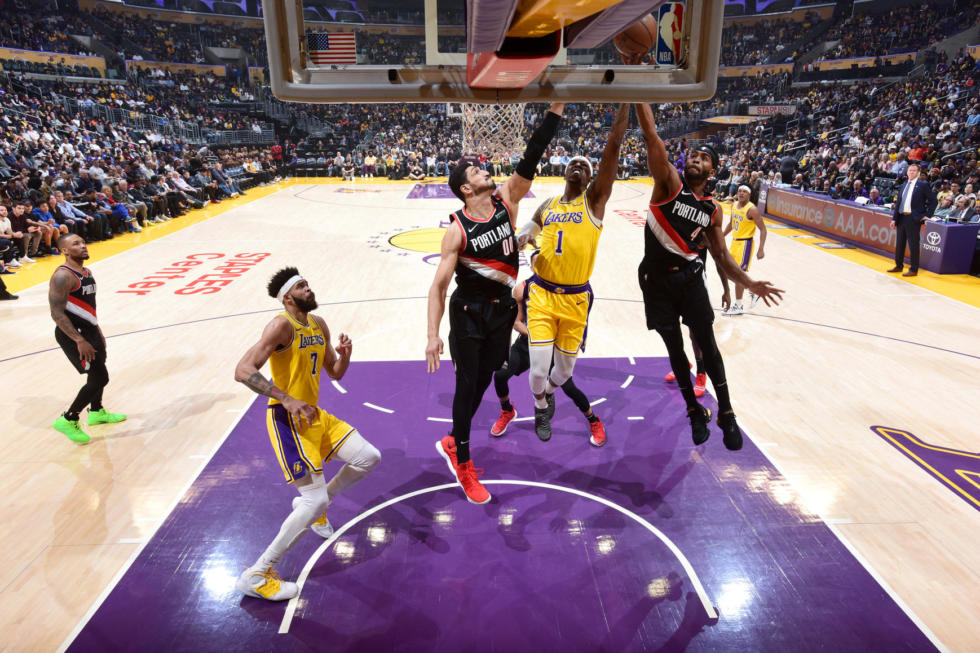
point(754, 300)
point(26, 259)
point(321, 526)
point(265, 584)
point(736, 309)
point(14, 263)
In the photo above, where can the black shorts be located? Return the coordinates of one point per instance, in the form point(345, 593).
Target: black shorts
point(520, 357)
point(93, 336)
point(669, 296)
point(480, 326)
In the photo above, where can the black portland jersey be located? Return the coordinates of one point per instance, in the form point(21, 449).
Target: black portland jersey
point(674, 233)
point(487, 264)
point(81, 300)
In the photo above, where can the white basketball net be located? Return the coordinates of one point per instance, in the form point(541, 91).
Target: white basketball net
point(493, 129)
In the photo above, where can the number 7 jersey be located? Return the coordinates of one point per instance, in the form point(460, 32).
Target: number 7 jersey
point(569, 241)
point(296, 367)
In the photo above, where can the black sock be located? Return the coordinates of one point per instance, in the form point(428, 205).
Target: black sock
point(506, 405)
point(593, 418)
point(699, 365)
point(71, 416)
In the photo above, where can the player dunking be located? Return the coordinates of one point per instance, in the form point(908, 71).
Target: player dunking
point(481, 247)
point(71, 297)
point(681, 221)
point(520, 361)
point(304, 437)
point(559, 294)
point(746, 219)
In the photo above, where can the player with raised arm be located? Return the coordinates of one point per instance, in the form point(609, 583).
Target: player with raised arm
point(682, 220)
point(480, 246)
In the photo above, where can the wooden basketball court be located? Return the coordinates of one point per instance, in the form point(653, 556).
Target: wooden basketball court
point(835, 386)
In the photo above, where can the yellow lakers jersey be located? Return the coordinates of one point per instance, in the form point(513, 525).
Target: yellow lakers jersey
point(296, 368)
point(742, 225)
point(569, 240)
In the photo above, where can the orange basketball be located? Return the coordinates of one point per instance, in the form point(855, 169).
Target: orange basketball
point(638, 38)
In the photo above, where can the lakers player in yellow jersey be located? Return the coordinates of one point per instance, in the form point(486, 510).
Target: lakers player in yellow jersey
point(559, 296)
point(297, 346)
point(745, 220)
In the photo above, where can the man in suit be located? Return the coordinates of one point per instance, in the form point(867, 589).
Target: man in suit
point(916, 202)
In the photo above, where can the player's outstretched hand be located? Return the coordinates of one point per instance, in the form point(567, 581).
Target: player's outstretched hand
point(770, 295)
point(432, 352)
point(300, 410)
point(345, 347)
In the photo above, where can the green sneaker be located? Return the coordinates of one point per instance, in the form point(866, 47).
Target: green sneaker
point(100, 416)
point(70, 428)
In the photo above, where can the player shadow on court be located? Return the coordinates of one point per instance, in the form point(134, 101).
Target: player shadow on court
point(621, 635)
point(404, 629)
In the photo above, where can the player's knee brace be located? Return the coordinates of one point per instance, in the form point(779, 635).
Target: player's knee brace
point(538, 373)
point(367, 458)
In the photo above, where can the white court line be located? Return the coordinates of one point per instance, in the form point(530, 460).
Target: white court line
point(628, 380)
point(143, 542)
point(339, 387)
point(635, 417)
point(130, 540)
point(439, 419)
point(685, 563)
point(598, 401)
point(523, 419)
point(383, 410)
point(862, 560)
point(631, 360)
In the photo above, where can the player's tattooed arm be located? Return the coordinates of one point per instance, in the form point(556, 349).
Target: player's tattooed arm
point(263, 386)
point(277, 334)
point(58, 290)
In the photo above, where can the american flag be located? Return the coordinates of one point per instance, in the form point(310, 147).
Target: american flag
point(330, 48)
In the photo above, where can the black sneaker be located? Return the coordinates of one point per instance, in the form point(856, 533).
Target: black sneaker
point(732, 434)
point(4, 296)
point(551, 404)
point(542, 423)
point(699, 423)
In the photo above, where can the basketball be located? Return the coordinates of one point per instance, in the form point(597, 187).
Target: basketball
point(638, 38)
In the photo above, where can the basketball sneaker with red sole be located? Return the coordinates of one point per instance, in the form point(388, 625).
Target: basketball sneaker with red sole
point(500, 426)
point(598, 437)
point(467, 475)
point(671, 377)
point(447, 449)
point(700, 381)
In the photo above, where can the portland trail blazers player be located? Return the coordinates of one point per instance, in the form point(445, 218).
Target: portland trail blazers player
point(480, 245)
point(681, 221)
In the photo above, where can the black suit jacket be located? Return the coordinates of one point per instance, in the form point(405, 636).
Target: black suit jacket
point(923, 202)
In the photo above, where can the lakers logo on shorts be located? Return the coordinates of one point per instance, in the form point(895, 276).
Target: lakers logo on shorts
point(297, 467)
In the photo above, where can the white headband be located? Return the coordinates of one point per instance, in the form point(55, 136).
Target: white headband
point(745, 188)
point(586, 161)
point(286, 287)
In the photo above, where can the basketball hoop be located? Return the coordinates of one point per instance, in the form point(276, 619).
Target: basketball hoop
point(493, 129)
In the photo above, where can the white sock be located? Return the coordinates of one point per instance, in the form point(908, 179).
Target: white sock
point(313, 501)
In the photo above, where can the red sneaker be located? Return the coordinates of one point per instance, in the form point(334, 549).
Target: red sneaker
point(472, 488)
point(500, 426)
point(699, 382)
point(598, 437)
point(671, 377)
point(447, 449)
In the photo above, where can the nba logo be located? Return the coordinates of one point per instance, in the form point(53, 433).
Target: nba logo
point(670, 21)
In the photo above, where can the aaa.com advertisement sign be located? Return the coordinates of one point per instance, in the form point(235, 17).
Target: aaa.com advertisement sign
point(844, 220)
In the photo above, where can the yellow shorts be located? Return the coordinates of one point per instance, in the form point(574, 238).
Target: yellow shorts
point(299, 449)
point(741, 251)
point(557, 319)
